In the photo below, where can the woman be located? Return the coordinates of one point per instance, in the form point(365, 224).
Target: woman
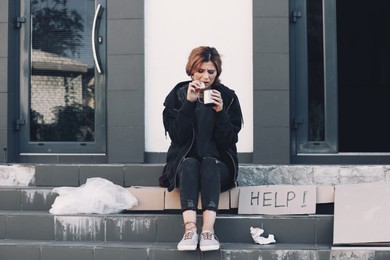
point(203, 155)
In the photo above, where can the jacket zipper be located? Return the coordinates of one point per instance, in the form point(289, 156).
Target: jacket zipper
point(231, 102)
point(235, 168)
point(231, 157)
point(184, 156)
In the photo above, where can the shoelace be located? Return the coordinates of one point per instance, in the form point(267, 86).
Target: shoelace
point(188, 235)
point(207, 235)
point(189, 232)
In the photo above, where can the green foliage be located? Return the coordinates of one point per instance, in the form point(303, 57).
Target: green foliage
point(55, 28)
point(74, 123)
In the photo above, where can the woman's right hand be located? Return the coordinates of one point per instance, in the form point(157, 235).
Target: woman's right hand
point(193, 90)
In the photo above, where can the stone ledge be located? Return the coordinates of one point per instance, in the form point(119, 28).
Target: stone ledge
point(253, 175)
point(16, 175)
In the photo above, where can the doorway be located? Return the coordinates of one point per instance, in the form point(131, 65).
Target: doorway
point(340, 67)
point(62, 79)
point(363, 44)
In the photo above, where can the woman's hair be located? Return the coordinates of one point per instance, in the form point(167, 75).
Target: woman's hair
point(204, 54)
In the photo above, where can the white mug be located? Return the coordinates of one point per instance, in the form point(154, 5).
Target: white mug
point(207, 100)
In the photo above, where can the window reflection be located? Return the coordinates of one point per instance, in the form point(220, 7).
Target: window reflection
point(62, 87)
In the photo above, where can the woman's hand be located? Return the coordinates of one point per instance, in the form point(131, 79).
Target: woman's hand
point(193, 90)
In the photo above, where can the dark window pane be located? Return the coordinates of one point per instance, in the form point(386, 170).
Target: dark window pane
point(315, 70)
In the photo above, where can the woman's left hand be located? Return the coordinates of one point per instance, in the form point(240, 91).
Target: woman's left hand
point(217, 98)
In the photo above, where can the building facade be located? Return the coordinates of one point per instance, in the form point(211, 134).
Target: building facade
point(77, 78)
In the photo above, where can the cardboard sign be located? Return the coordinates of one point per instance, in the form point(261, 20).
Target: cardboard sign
point(362, 213)
point(149, 198)
point(325, 194)
point(277, 199)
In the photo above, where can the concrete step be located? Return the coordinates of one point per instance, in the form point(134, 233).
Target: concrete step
point(76, 175)
point(54, 175)
point(32, 194)
point(27, 198)
point(230, 228)
point(44, 250)
point(42, 198)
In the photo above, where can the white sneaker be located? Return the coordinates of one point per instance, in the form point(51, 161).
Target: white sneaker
point(189, 241)
point(208, 241)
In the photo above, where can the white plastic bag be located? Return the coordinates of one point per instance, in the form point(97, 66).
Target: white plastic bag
point(97, 195)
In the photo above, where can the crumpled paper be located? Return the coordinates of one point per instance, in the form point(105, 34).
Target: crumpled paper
point(256, 235)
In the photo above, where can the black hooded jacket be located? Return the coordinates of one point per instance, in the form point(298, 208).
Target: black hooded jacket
point(178, 118)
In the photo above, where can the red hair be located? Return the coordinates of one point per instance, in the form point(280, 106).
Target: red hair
point(204, 54)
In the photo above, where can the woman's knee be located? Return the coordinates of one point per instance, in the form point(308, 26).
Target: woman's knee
point(190, 162)
point(190, 169)
point(209, 166)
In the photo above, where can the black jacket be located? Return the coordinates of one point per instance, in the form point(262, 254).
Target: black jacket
point(178, 118)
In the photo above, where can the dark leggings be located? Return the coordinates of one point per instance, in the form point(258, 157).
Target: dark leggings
point(208, 176)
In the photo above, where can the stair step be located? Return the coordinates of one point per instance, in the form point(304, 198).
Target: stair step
point(55, 175)
point(40, 250)
point(27, 198)
point(42, 199)
point(308, 229)
point(43, 250)
point(76, 175)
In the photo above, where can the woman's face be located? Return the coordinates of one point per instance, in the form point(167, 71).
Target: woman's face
point(206, 73)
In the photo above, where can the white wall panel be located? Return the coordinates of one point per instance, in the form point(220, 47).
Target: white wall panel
point(172, 29)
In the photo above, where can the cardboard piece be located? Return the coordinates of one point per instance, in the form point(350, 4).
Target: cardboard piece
point(277, 199)
point(362, 213)
point(172, 200)
point(234, 194)
point(325, 194)
point(149, 198)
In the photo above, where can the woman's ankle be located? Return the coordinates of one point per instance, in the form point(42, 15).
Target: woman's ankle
point(190, 226)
